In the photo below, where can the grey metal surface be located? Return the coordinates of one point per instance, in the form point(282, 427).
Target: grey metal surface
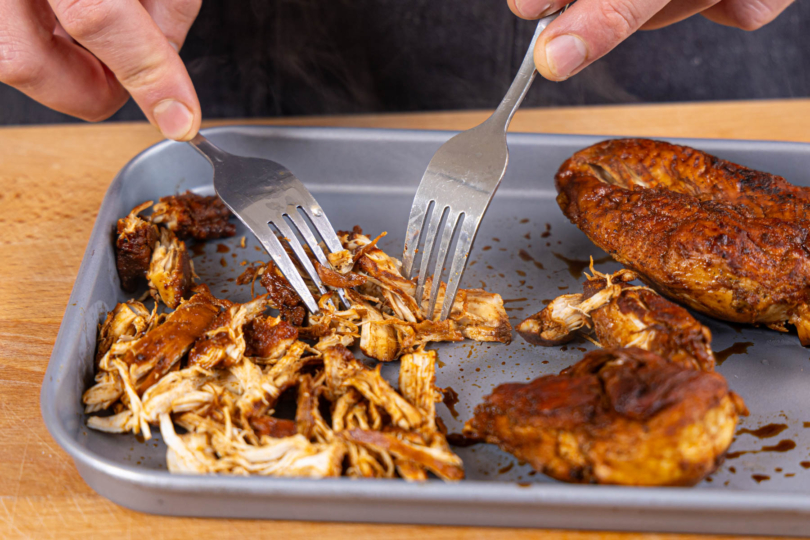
point(456, 190)
point(263, 193)
point(368, 177)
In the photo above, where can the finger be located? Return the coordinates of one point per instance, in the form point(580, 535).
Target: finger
point(535, 9)
point(173, 17)
point(50, 68)
point(677, 11)
point(124, 37)
point(746, 14)
point(586, 31)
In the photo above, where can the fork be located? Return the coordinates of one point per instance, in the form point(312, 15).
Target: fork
point(458, 184)
point(263, 193)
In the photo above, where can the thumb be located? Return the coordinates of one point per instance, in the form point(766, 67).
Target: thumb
point(124, 37)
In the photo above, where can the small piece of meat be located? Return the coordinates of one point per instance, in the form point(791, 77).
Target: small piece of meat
point(129, 319)
point(555, 324)
point(482, 316)
point(623, 315)
point(342, 261)
point(378, 340)
point(194, 216)
point(136, 239)
point(269, 337)
point(223, 344)
point(276, 428)
point(167, 343)
point(444, 463)
point(339, 281)
point(619, 416)
point(282, 296)
point(170, 274)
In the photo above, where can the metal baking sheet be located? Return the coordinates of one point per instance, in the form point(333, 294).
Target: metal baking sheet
point(526, 251)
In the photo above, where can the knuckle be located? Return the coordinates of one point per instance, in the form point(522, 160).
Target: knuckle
point(84, 19)
point(147, 73)
point(101, 112)
point(186, 10)
point(17, 68)
point(621, 17)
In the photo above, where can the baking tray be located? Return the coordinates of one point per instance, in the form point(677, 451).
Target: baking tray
point(526, 251)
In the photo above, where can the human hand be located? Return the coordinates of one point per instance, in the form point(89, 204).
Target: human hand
point(589, 29)
point(86, 57)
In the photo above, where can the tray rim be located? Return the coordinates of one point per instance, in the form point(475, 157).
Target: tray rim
point(551, 494)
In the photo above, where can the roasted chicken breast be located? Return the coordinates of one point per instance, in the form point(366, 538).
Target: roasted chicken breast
point(618, 416)
point(725, 240)
point(623, 315)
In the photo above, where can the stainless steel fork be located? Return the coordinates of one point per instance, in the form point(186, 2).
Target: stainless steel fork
point(262, 193)
point(459, 184)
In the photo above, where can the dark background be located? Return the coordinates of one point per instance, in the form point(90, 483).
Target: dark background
point(300, 57)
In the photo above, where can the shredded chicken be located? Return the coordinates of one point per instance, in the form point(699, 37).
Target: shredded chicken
point(170, 270)
point(623, 315)
point(194, 216)
point(217, 370)
point(134, 245)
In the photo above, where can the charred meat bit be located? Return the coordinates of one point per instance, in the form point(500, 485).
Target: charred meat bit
point(269, 337)
point(282, 295)
point(136, 239)
point(194, 216)
point(619, 416)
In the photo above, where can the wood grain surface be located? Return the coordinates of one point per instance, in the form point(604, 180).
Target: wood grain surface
point(52, 180)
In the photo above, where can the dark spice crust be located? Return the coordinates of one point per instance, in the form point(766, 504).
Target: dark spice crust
point(282, 296)
point(190, 215)
point(725, 240)
point(265, 336)
point(133, 253)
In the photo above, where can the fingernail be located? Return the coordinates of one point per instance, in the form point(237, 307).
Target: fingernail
point(532, 9)
point(565, 54)
point(173, 119)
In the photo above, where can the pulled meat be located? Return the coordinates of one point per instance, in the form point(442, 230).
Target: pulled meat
point(282, 295)
point(133, 247)
point(269, 337)
point(217, 369)
point(170, 273)
point(194, 216)
point(623, 316)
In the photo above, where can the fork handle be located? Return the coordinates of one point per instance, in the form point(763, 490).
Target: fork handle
point(523, 80)
point(212, 153)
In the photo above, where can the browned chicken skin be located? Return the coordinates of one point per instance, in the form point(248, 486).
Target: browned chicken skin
point(618, 416)
point(623, 315)
point(190, 215)
point(725, 240)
